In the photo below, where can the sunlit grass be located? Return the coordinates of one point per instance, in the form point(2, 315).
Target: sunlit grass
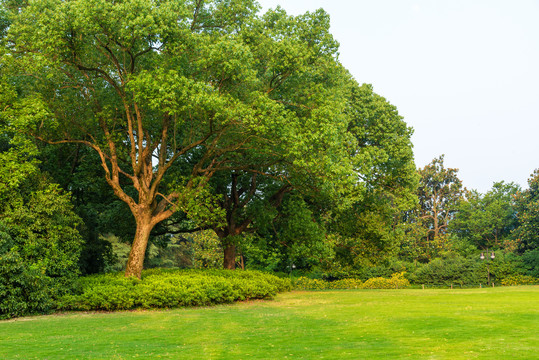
point(499, 323)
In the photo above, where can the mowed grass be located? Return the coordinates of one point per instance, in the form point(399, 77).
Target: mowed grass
point(499, 323)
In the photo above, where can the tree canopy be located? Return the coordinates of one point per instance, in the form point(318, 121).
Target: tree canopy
point(439, 193)
point(168, 93)
point(40, 243)
point(527, 203)
point(487, 220)
point(203, 133)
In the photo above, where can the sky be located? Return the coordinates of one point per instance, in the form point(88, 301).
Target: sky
point(464, 74)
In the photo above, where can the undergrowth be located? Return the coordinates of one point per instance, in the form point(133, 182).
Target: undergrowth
point(170, 288)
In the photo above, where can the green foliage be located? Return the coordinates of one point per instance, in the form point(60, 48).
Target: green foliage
point(39, 240)
point(364, 237)
point(346, 284)
point(261, 254)
point(516, 280)
point(528, 214)
point(24, 289)
point(294, 239)
point(465, 271)
point(396, 281)
point(198, 250)
point(439, 193)
point(302, 235)
point(530, 260)
point(504, 266)
point(43, 225)
point(455, 270)
point(75, 168)
point(487, 220)
point(170, 93)
point(369, 230)
point(4, 22)
point(363, 272)
point(39, 249)
point(160, 288)
point(206, 250)
point(382, 156)
point(305, 283)
point(120, 253)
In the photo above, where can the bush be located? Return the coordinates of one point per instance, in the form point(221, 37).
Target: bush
point(23, 289)
point(39, 249)
point(397, 281)
point(455, 270)
point(347, 284)
point(304, 283)
point(519, 280)
point(530, 261)
point(505, 266)
point(170, 288)
point(470, 271)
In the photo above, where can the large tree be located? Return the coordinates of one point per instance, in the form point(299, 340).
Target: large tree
point(241, 196)
point(439, 193)
point(195, 86)
point(39, 239)
point(527, 203)
point(487, 220)
point(384, 179)
point(369, 230)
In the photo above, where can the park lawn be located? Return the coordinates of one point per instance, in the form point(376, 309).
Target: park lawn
point(491, 323)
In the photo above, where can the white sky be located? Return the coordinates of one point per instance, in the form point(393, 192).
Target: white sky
point(463, 73)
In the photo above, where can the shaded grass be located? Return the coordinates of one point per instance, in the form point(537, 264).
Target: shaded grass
point(498, 323)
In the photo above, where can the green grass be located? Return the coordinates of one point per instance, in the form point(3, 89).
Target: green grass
point(499, 323)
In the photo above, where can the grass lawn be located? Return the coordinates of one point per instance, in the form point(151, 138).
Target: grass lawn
point(499, 323)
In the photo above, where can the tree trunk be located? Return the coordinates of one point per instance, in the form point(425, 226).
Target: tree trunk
point(229, 261)
point(135, 262)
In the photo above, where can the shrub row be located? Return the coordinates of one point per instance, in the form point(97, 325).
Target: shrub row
point(519, 280)
point(168, 288)
point(304, 283)
point(397, 281)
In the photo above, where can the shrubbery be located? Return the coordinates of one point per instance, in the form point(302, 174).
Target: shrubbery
point(530, 260)
point(456, 270)
point(519, 280)
point(450, 270)
point(23, 289)
point(160, 288)
point(465, 271)
point(39, 248)
point(305, 283)
point(397, 281)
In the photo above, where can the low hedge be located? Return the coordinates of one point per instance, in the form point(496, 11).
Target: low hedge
point(397, 281)
point(170, 288)
point(519, 280)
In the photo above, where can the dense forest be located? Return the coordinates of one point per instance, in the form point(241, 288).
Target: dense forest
point(203, 134)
